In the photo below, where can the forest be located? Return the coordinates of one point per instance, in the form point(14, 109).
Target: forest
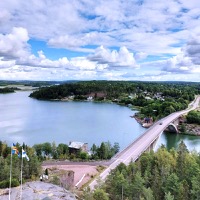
point(153, 99)
point(164, 174)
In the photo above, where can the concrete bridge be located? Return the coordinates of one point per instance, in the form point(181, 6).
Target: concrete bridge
point(145, 142)
point(173, 126)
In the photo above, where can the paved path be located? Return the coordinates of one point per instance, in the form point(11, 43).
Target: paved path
point(134, 150)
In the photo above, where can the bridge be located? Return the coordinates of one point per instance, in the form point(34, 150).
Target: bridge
point(145, 142)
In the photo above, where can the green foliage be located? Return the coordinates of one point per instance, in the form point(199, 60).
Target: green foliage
point(48, 150)
point(169, 196)
point(160, 175)
point(99, 194)
point(6, 183)
point(83, 155)
point(31, 168)
point(182, 128)
point(193, 117)
point(6, 90)
point(105, 151)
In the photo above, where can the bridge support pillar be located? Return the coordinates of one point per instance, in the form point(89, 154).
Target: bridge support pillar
point(152, 145)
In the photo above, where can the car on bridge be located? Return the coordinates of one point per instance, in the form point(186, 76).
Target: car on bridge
point(160, 123)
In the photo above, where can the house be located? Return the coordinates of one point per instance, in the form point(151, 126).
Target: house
point(90, 98)
point(75, 147)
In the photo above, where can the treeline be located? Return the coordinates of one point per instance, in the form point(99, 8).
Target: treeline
point(166, 175)
point(193, 117)
point(31, 83)
point(156, 99)
point(31, 168)
point(42, 152)
point(6, 90)
point(62, 151)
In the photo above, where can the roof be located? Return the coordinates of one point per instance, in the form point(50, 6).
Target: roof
point(76, 145)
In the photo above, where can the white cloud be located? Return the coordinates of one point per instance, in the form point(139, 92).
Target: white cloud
point(134, 24)
point(7, 63)
point(14, 45)
point(143, 27)
point(179, 64)
point(192, 49)
point(188, 61)
point(121, 58)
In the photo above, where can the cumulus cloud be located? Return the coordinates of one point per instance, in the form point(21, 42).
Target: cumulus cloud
point(74, 24)
point(192, 50)
point(188, 61)
point(143, 27)
point(41, 61)
point(121, 58)
point(14, 44)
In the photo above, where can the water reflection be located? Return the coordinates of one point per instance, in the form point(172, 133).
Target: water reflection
point(172, 140)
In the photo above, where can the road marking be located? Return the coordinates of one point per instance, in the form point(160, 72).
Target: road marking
point(80, 180)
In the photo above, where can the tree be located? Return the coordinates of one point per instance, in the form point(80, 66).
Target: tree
point(137, 186)
point(47, 148)
point(116, 147)
point(54, 150)
point(169, 196)
point(38, 149)
point(181, 161)
point(157, 184)
point(172, 184)
point(62, 150)
point(148, 194)
point(94, 149)
point(183, 128)
point(102, 153)
point(183, 192)
point(99, 194)
point(193, 117)
point(83, 155)
point(195, 192)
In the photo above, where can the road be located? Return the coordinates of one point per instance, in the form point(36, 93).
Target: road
point(134, 150)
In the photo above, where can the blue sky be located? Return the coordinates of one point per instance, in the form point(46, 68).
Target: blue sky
point(113, 40)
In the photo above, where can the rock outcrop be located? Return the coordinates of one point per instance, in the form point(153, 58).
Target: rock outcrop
point(38, 190)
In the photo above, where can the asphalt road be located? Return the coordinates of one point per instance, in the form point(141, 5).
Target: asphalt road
point(134, 150)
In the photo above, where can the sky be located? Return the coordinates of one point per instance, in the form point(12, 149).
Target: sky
point(145, 40)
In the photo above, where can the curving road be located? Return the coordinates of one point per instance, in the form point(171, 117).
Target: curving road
point(134, 150)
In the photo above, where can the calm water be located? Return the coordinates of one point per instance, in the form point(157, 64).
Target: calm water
point(23, 119)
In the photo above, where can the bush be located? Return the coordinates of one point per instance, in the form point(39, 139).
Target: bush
point(6, 183)
point(83, 155)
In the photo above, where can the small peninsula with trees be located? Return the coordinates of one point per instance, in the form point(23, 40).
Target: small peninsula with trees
point(7, 90)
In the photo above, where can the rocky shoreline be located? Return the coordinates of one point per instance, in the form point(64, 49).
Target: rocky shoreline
point(192, 129)
point(141, 122)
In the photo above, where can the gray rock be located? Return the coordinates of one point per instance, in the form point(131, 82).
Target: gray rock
point(39, 191)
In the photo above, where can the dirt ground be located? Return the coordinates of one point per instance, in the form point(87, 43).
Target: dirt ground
point(80, 171)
